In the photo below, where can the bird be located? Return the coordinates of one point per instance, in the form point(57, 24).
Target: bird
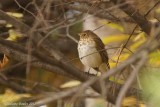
point(92, 52)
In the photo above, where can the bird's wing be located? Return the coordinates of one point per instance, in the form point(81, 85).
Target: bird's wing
point(101, 49)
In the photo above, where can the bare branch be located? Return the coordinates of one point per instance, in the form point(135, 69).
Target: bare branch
point(20, 54)
point(4, 81)
point(130, 80)
point(102, 13)
point(133, 13)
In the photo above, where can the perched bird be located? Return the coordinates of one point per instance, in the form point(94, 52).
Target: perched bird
point(92, 51)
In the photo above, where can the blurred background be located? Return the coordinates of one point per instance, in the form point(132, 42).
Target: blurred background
point(59, 21)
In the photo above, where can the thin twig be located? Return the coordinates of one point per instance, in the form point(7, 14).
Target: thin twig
point(130, 79)
point(8, 69)
point(71, 37)
point(147, 13)
point(125, 45)
point(25, 9)
point(5, 81)
point(133, 13)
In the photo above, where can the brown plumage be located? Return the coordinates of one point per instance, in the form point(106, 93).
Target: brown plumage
point(92, 51)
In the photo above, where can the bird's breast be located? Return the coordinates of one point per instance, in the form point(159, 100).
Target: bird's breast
point(89, 55)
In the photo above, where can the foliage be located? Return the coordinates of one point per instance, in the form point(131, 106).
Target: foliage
point(46, 62)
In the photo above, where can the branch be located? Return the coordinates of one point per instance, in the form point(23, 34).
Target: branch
point(130, 80)
point(135, 15)
point(19, 53)
point(60, 60)
point(102, 13)
point(47, 46)
point(16, 87)
point(142, 54)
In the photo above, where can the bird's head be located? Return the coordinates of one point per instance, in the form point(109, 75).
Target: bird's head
point(88, 34)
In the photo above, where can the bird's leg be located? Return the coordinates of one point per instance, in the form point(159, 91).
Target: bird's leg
point(88, 70)
point(97, 69)
point(88, 73)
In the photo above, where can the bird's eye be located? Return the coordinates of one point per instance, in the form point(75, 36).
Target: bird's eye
point(84, 34)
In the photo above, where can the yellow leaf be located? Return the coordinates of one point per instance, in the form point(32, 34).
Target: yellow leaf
point(140, 36)
point(14, 14)
point(139, 40)
point(119, 81)
point(13, 35)
point(122, 57)
point(136, 45)
point(9, 25)
point(70, 84)
point(116, 26)
point(112, 25)
point(9, 97)
point(155, 59)
point(115, 38)
point(112, 64)
point(132, 102)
